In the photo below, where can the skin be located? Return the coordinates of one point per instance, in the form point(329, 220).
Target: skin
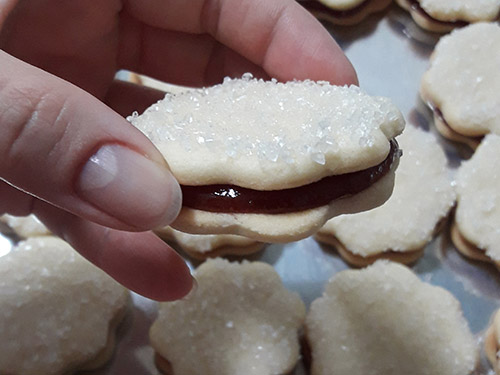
point(59, 103)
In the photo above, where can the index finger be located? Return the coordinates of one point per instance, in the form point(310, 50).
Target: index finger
point(278, 35)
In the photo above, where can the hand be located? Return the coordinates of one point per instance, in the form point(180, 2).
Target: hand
point(91, 177)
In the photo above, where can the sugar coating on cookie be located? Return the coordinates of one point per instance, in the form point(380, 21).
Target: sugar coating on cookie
point(267, 135)
point(465, 10)
point(383, 320)
point(478, 197)
point(422, 195)
point(55, 308)
point(26, 226)
point(463, 81)
point(240, 320)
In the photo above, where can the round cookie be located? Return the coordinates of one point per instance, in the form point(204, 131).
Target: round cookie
point(444, 15)
point(475, 231)
point(273, 161)
point(462, 84)
point(400, 228)
point(344, 12)
point(383, 320)
point(240, 320)
point(203, 246)
point(58, 312)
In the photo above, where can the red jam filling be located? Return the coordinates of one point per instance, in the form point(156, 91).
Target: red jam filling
point(235, 199)
point(415, 6)
point(315, 6)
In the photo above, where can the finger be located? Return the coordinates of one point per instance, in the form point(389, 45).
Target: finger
point(180, 58)
point(139, 261)
point(64, 146)
point(14, 201)
point(270, 34)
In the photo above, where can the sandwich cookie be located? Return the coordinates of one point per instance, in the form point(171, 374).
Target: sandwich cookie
point(203, 246)
point(344, 12)
point(274, 161)
point(443, 16)
point(462, 84)
point(400, 228)
point(383, 320)
point(475, 231)
point(240, 320)
point(58, 312)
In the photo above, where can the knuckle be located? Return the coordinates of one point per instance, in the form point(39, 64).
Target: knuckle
point(28, 117)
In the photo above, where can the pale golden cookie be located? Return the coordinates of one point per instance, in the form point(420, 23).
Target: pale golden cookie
point(400, 228)
point(344, 12)
point(492, 342)
point(476, 230)
point(203, 246)
point(383, 320)
point(444, 15)
point(462, 84)
point(240, 320)
point(25, 226)
point(58, 312)
point(249, 153)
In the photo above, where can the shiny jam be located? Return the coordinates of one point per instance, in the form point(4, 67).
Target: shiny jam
point(235, 199)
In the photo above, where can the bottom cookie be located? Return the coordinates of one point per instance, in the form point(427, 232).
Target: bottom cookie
point(446, 131)
point(467, 248)
point(356, 260)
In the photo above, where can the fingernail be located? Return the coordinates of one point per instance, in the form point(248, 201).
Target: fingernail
point(192, 292)
point(130, 187)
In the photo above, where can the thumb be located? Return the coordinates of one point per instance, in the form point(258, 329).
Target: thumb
point(66, 147)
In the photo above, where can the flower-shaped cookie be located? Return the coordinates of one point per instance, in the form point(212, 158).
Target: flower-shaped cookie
point(58, 312)
point(383, 320)
point(462, 84)
point(240, 320)
point(400, 228)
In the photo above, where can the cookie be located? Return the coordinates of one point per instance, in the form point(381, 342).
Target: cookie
point(443, 16)
point(400, 228)
point(492, 342)
point(203, 246)
point(240, 320)
point(462, 84)
point(58, 312)
point(383, 320)
point(25, 226)
point(344, 12)
point(475, 231)
point(273, 161)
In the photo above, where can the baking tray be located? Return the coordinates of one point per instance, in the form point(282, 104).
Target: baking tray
point(390, 54)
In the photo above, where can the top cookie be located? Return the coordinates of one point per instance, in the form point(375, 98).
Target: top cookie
point(383, 320)
point(464, 10)
point(56, 309)
point(478, 198)
point(463, 81)
point(240, 321)
point(267, 135)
